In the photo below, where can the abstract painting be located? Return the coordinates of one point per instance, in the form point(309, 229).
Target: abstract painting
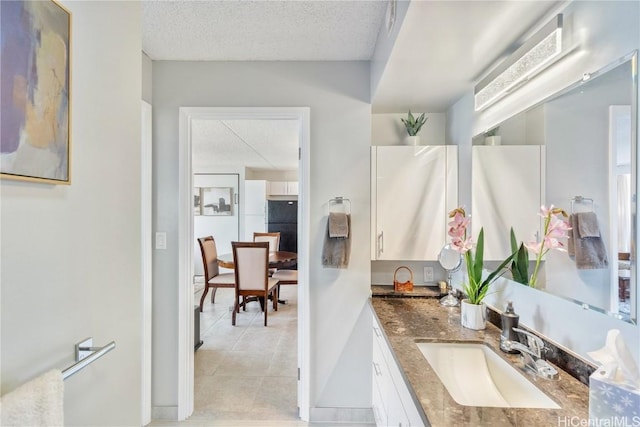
point(216, 201)
point(34, 93)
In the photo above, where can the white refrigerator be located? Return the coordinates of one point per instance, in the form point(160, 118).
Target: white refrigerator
point(255, 199)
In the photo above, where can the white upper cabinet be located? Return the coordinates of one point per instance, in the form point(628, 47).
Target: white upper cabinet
point(507, 187)
point(412, 190)
point(282, 188)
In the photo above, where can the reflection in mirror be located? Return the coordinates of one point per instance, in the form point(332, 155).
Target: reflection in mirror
point(449, 259)
point(584, 161)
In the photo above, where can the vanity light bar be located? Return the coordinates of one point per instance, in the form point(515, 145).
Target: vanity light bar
point(530, 58)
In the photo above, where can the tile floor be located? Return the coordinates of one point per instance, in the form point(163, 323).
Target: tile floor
point(246, 376)
point(236, 365)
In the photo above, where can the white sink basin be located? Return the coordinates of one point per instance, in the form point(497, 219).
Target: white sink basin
point(474, 375)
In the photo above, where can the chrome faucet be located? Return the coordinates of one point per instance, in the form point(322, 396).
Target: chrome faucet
point(533, 355)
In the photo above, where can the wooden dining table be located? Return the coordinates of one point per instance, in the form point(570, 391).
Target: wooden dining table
point(277, 259)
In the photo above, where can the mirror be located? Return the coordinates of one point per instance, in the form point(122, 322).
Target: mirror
point(449, 259)
point(575, 150)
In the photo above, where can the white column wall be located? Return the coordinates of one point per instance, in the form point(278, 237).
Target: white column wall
point(602, 32)
point(71, 255)
point(338, 95)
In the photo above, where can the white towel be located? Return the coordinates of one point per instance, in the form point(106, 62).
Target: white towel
point(36, 403)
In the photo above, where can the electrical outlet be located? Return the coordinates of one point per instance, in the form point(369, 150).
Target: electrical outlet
point(428, 274)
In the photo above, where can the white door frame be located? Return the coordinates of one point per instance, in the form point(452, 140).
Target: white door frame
point(185, 246)
point(146, 207)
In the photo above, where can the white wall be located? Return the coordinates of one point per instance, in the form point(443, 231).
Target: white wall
point(602, 33)
point(71, 255)
point(147, 73)
point(384, 46)
point(338, 95)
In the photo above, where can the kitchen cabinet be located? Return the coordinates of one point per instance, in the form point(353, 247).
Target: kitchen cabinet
point(507, 191)
point(412, 190)
point(255, 208)
point(392, 401)
point(282, 188)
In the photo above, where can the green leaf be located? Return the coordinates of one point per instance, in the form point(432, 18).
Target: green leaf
point(522, 263)
point(514, 242)
point(477, 263)
point(498, 271)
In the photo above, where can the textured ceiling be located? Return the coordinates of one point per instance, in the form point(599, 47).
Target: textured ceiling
point(443, 47)
point(255, 144)
point(273, 30)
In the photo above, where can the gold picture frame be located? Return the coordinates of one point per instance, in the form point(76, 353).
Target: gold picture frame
point(35, 74)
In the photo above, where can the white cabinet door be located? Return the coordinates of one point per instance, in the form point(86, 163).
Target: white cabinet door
point(392, 401)
point(413, 188)
point(292, 188)
point(507, 191)
point(282, 188)
point(277, 188)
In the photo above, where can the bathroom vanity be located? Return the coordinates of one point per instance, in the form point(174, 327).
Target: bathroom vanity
point(404, 322)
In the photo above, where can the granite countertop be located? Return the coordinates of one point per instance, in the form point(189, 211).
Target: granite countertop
point(417, 292)
point(405, 320)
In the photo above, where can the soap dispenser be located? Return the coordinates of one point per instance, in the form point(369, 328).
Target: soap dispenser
point(509, 321)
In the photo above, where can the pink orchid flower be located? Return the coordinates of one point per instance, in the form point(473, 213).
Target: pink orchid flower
point(462, 245)
point(555, 228)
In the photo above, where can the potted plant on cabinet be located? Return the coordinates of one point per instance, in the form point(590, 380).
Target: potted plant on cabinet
point(473, 308)
point(413, 126)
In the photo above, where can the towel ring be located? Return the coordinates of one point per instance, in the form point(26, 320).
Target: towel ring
point(340, 204)
point(579, 199)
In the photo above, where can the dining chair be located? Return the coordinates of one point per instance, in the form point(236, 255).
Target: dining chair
point(272, 238)
point(251, 271)
point(274, 243)
point(212, 277)
point(286, 277)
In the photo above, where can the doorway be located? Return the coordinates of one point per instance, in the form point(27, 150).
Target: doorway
point(187, 117)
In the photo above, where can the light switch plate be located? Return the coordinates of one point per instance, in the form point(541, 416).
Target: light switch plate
point(161, 240)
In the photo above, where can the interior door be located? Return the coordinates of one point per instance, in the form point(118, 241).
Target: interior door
point(218, 216)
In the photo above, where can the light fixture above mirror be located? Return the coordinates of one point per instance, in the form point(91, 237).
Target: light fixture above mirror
point(538, 52)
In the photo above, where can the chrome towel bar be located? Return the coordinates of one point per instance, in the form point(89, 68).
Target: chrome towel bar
point(340, 204)
point(85, 355)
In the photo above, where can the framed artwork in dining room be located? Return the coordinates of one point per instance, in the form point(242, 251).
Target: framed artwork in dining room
point(197, 195)
point(35, 91)
point(216, 200)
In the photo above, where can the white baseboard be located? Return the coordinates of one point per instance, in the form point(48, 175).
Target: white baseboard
point(342, 415)
point(169, 413)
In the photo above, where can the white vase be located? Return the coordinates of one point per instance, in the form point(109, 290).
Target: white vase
point(493, 140)
point(473, 316)
point(412, 140)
